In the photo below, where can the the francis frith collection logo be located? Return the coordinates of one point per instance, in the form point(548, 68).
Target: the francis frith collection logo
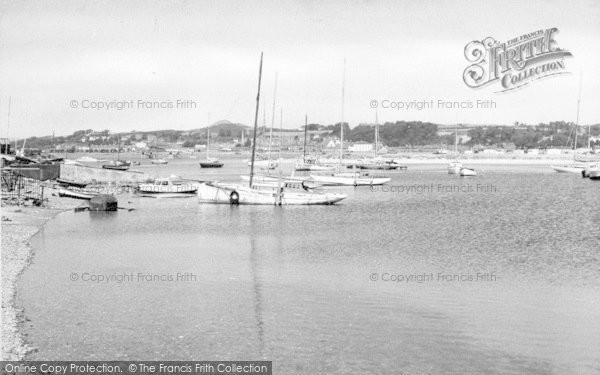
point(515, 63)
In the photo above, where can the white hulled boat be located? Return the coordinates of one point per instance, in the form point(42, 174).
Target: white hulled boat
point(170, 185)
point(568, 168)
point(284, 193)
point(466, 172)
point(350, 179)
point(575, 167)
point(455, 166)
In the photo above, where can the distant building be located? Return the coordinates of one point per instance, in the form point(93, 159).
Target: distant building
point(361, 147)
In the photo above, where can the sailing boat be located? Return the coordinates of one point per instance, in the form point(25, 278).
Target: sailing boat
point(377, 162)
point(575, 167)
point(118, 165)
point(347, 178)
point(210, 162)
point(284, 194)
point(455, 166)
point(308, 163)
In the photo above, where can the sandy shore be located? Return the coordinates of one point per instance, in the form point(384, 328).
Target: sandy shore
point(19, 225)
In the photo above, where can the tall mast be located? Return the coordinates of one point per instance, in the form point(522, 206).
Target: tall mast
point(279, 180)
point(207, 136)
point(342, 123)
point(256, 120)
point(456, 139)
point(305, 131)
point(272, 122)
point(577, 119)
point(8, 126)
point(376, 132)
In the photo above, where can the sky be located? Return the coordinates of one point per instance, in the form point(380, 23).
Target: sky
point(58, 59)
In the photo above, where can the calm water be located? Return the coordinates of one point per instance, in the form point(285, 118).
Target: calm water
point(296, 285)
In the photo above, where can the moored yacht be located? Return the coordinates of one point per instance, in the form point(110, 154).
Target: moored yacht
point(283, 193)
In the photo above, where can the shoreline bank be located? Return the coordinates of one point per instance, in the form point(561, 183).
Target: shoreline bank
point(19, 225)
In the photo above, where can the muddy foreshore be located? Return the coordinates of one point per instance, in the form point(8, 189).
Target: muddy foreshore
point(19, 225)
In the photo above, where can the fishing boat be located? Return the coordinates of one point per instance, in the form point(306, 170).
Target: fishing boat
point(257, 194)
point(70, 193)
point(210, 162)
point(159, 161)
point(169, 185)
point(467, 172)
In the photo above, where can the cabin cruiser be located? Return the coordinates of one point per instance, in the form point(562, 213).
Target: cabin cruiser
point(173, 184)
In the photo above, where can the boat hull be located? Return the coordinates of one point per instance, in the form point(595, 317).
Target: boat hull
point(466, 172)
point(75, 194)
point(116, 167)
point(167, 189)
point(211, 165)
point(567, 169)
point(333, 180)
point(594, 175)
point(234, 194)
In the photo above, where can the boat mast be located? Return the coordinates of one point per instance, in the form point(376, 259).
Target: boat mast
point(8, 126)
point(456, 139)
point(279, 180)
point(577, 120)
point(207, 137)
point(305, 131)
point(376, 132)
point(272, 123)
point(256, 121)
point(342, 123)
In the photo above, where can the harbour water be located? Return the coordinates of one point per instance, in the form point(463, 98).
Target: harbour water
point(498, 274)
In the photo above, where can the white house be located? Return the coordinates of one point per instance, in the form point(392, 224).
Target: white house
point(361, 147)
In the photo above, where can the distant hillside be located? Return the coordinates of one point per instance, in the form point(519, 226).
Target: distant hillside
point(399, 133)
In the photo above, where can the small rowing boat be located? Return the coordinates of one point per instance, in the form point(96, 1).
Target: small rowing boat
point(75, 194)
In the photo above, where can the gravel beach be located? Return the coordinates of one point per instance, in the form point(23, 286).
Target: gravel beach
point(19, 225)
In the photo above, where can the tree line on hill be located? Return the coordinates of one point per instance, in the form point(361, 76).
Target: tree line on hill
point(391, 134)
